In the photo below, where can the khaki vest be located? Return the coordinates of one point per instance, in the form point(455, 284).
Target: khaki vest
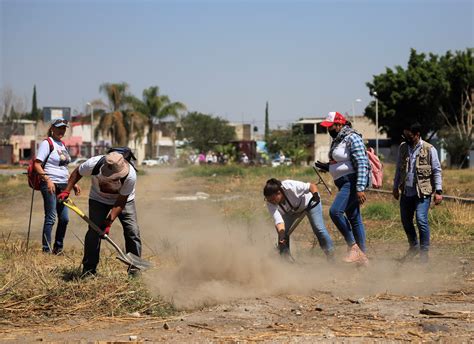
point(424, 181)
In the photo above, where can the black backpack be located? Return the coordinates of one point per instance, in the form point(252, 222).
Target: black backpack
point(127, 155)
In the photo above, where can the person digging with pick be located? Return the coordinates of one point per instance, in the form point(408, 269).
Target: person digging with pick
point(287, 201)
point(112, 196)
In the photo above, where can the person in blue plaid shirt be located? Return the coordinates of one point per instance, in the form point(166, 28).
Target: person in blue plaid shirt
point(349, 166)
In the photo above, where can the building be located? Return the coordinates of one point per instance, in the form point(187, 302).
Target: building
point(24, 137)
point(319, 140)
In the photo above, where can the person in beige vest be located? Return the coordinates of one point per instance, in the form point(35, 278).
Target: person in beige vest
point(417, 178)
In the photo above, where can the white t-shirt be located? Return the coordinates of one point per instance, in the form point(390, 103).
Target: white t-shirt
point(56, 165)
point(343, 166)
point(104, 189)
point(297, 197)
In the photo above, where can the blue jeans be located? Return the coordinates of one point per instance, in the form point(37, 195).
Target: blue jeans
point(345, 211)
point(409, 206)
point(51, 208)
point(98, 213)
point(315, 217)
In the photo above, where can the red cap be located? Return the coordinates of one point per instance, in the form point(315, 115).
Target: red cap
point(333, 117)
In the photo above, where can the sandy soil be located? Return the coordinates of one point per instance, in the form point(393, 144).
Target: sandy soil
point(231, 286)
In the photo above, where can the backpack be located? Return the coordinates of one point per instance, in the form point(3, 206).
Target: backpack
point(376, 169)
point(34, 179)
point(127, 155)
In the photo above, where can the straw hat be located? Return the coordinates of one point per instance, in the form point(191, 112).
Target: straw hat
point(115, 166)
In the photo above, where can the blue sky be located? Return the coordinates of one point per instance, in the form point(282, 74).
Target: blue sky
point(225, 58)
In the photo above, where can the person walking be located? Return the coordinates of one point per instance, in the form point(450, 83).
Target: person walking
point(51, 165)
point(287, 200)
point(112, 196)
point(349, 167)
point(418, 176)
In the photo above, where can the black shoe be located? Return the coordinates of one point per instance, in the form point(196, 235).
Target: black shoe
point(410, 254)
point(133, 272)
point(88, 273)
point(424, 257)
point(57, 250)
point(330, 257)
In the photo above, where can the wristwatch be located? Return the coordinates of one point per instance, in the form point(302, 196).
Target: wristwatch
point(439, 192)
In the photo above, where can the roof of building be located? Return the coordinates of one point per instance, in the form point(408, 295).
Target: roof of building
point(310, 121)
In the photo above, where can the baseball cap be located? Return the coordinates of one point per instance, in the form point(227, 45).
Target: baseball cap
point(60, 122)
point(333, 117)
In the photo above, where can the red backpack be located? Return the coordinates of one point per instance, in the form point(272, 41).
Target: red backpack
point(376, 169)
point(34, 179)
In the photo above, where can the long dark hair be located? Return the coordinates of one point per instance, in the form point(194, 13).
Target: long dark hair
point(271, 187)
point(49, 133)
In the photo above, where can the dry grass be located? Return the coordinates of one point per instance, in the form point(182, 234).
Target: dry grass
point(34, 286)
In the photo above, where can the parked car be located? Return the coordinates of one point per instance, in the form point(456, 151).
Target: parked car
point(277, 162)
point(77, 162)
point(150, 162)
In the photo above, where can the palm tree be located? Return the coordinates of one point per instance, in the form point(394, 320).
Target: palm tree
point(122, 122)
point(157, 107)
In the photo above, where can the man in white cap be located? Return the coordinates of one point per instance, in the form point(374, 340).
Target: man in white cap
point(112, 195)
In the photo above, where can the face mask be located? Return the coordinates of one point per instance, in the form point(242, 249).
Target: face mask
point(333, 133)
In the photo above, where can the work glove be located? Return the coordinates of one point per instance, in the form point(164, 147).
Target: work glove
point(63, 195)
point(105, 228)
point(314, 201)
point(322, 166)
point(282, 242)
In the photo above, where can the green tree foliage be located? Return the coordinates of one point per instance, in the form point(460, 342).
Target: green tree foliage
point(457, 108)
point(292, 142)
point(121, 119)
point(408, 96)
point(35, 113)
point(267, 126)
point(435, 91)
point(205, 131)
point(156, 107)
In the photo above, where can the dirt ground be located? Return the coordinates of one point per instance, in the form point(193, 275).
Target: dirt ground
point(230, 285)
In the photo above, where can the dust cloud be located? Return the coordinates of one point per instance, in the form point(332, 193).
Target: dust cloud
point(205, 258)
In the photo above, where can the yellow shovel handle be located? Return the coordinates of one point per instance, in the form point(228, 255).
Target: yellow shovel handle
point(70, 204)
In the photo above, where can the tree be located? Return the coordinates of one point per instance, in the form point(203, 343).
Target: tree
point(411, 95)
point(35, 113)
point(204, 131)
point(292, 142)
point(121, 120)
point(157, 107)
point(434, 91)
point(457, 109)
point(267, 126)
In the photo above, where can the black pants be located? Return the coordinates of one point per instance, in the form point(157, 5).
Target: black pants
point(98, 213)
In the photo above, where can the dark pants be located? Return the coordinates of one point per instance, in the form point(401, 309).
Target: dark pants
point(98, 213)
point(51, 208)
point(411, 207)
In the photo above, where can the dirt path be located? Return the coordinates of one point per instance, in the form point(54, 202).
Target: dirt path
point(231, 287)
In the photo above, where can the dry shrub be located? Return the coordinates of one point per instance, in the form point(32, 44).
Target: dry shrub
point(34, 285)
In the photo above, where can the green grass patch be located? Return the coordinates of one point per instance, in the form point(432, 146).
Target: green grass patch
point(380, 210)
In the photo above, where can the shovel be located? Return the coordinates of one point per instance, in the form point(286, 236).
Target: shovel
point(129, 259)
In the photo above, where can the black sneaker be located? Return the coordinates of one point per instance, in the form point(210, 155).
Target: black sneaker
point(88, 273)
point(330, 257)
point(133, 272)
point(410, 254)
point(424, 257)
point(57, 250)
